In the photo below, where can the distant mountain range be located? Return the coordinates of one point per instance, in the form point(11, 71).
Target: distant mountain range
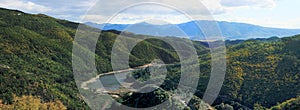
point(230, 30)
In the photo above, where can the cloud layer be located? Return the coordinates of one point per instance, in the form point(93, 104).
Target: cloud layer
point(75, 10)
point(241, 3)
point(24, 5)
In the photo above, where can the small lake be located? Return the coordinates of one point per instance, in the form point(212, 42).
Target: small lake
point(116, 81)
point(110, 82)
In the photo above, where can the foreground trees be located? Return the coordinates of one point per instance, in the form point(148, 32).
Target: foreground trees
point(31, 103)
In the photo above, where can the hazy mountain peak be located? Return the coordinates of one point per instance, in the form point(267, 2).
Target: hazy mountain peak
point(230, 30)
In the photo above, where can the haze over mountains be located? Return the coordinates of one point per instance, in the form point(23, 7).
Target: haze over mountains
point(230, 30)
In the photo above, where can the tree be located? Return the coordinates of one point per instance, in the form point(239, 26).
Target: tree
point(32, 103)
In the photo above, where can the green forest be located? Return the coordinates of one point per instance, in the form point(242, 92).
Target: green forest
point(36, 65)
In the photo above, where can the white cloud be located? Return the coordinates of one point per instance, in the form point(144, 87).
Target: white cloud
point(249, 3)
point(24, 5)
point(145, 11)
point(192, 7)
point(75, 10)
point(131, 19)
point(214, 6)
point(76, 7)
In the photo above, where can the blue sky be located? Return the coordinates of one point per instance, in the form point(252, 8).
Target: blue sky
point(269, 13)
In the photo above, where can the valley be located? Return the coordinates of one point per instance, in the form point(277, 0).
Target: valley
point(36, 62)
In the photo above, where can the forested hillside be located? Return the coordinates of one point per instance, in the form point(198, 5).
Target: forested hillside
point(36, 60)
point(36, 57)
point(261, 74)
point(264, 72)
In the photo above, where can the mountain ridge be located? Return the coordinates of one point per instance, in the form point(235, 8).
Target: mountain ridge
point(230, 30)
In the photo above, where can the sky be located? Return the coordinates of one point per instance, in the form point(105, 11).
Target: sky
point(268, 13)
